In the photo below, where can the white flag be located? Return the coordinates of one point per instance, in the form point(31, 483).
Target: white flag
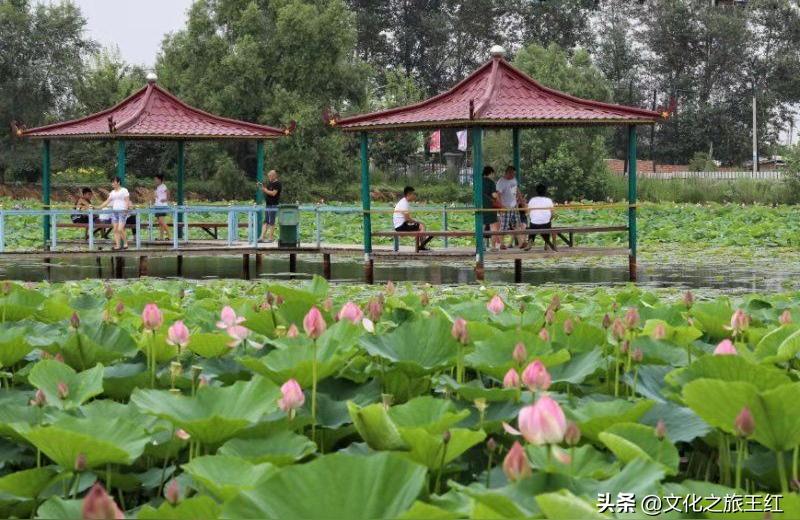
point(462, 140)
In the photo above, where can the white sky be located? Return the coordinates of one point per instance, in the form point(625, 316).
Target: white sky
point(136, 27)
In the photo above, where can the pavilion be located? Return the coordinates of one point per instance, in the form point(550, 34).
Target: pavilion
point(497, 95)
point(151, 113)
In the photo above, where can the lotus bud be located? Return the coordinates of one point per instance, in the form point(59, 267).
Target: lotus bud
point(173, 492)
point(374, 309)
point(279, 300)
point(491, 445)
point(109, 291)
point(688, 299)
point(785, 318)
point(744, 425)
point(495, 305)
point(459, 331)
point(270, 299)
point(424, 299)
point(98, 505)
point(292, 397)
point(549, 316)
point(725, 348)
point(238, 334)
point(446, 436)
point(606, 321)
point(536, 377)
point(350, 312)
point(637, 355)
point(569, 326)
point(480, 404)
point(39, 398)
point(119, 308)
point(265, 306)
point(59, 357)
point(544, 335)
point(543, 422)
point(389, 289)
point(63, 390)
point(659, 332)
point(6, 288)
point(75, 321)
point(572, 435)
point(739, 321)
point(314, 324)
point(516, 465)
point(618, 329)
point(555, 303)
point(327, 305)
point(511, 379)
point(152, 317)
point(178, 334)
point(632, 318)
point(80, 462)
point(520, 355)
point(292, 332)
point(624, 347)
point(182, 434)
point(661, 429)
point(560, 455)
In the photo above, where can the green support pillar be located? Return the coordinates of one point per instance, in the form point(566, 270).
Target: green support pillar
point(477, 196)
point(632, 202)
point(121, 161)
point(365, 196)
point(515, 140)
point(46, 188)
point(180, 197)
point(260, 179)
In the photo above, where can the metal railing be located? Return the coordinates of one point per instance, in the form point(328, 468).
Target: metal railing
point(769, 175)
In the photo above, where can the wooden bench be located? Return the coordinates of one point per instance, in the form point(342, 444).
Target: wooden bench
point(566, 234)
point(104, 228)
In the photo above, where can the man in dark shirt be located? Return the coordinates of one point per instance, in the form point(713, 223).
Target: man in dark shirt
point(272, 196)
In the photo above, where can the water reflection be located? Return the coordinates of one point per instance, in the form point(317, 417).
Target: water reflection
point(655, 275)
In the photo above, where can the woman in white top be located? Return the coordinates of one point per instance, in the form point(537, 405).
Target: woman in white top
point(120, 201)
point(161, 201)
point(540, 216)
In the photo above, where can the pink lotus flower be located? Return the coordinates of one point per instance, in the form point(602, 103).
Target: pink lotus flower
point(516, 465)
point(351, 312)
point(536, 377)
point(173, 492)
point(549, 316)
point(292, 397)
point(511, 379)
point(618, 329)
point(632, 318)
point(182, 434)
point(459, 331)
point(496, 305)
point(725, 348)
point(606, 321)
point(544, 335)
point(637, 355)
point(659, 332)
point(520, 355)
point(152, 317)
point(314, 323)
point(375, 309)
point(178, 334)
point(80, 462)
point(389, 288)
point(39, 399)
point(739, 321)
point(75, 321)
point(661, 429)
point(785, 317)
point(688, 299)
point(572, 435)
point(541, 423)
point(292, 332)
point(98, 505)
point(119, 308)
point(62, 389)
point(569, 326)
point(744, 425)
point(238, 334)
point(327, 305)
point(228, 318)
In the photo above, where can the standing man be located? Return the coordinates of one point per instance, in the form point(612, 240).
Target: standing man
point(491, 200)
point(509, 217)
point(161, 202)
point(272, 197)
point(402, 221)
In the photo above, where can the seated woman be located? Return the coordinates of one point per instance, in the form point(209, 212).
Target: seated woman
point(540, 216)
point(84, 203)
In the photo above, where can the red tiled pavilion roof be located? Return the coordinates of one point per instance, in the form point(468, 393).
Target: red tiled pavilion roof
point(497, 94)
point(153, 113)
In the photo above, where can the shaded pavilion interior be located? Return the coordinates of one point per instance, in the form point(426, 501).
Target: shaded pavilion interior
point(497, 96)
point(151, 113)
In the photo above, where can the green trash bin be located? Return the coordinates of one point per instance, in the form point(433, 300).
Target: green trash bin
point(288, 225)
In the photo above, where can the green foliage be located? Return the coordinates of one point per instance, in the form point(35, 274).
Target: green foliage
point(702, 162)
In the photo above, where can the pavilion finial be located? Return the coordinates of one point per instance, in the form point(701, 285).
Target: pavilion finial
point(497, 51)
point(151, 77)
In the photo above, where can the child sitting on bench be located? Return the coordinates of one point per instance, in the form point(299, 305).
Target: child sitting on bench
point(402, 221)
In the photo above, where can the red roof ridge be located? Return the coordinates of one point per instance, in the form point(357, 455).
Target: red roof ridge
point(148, 94)
point(494, 80)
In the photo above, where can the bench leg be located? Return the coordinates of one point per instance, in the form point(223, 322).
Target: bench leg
point(518, 270)
point(632, 268)
point(479, 272)
point(326, 266)
point(143, 266)
point(396, 243)
point(369, 271)
point(246, 266)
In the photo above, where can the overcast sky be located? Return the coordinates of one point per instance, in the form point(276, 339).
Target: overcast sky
point(135, 26)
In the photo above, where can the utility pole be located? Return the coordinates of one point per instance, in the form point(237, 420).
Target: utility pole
point(755, 136)
point(653, 136)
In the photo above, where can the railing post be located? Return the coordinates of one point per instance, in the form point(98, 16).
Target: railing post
point(444, 225)
point(318, 226)
point(632, 202)
point(138, 229)
point(150, 226)
point(175, 228)
point(185, 224)
point(53, 229)
point(231, 225)
point(2, 230)
point(91, 230)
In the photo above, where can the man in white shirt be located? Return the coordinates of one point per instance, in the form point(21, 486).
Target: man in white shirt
point(402, 221)
point(509, 217)
point(161, 201)
point(540, 216)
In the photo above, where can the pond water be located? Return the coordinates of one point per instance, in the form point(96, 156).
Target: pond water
point(724, 277)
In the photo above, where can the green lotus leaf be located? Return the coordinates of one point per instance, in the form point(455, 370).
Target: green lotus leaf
point(188, 509)
point(776, 412)
point(214, 414)
point(578, 368)
point(100, 440)
point(563, 504)
point(714, 316)
point(47, 374)
point(376, 427)
point(434, 415)
point(120, 379)
point(260, 322)
point(54, 310)
point(14, 345)
point(104, 344)
point(683, 425)
point(156, 344)
point(380, 486)
point(281, 448)
point(56, 508)
point(728, 368)
point(594, 417)
point(12, 414)
point(418, 346)
point(640, 477)
point(432, 451)
point(26, 484)
point(586, 462)
point(474, 389)
point(767, 348)
point(424, 511)
point(20, 303)
point(584, 337)
point(224, 476)
point(209, 345)
point(493, 354)
point(494, 503)
point(333, 395)
point(629, 441)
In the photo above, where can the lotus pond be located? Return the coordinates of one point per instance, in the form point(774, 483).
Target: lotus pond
point(169, 399)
